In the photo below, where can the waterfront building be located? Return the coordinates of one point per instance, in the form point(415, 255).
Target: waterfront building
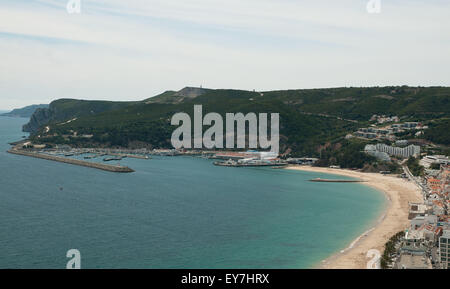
point(418, 221)
point(444, 249)
point(412, 257)
point(417, 209)
point(302, 161)
point(262, 155)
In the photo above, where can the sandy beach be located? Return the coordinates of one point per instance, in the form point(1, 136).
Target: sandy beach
point(398, 191)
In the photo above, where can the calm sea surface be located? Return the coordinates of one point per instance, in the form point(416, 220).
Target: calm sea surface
point(173, 212)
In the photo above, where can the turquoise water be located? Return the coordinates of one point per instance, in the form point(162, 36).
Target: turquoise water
point(173, 212)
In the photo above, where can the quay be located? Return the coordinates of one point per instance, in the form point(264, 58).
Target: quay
point(134, 156)
point(104, 167)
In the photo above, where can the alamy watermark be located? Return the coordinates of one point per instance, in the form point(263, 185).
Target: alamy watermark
point(75, 259)
point(73, 7)
point(213, 137)
point(373, 6)
point(374, 262)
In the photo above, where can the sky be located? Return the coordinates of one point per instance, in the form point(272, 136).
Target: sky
point(135, 49)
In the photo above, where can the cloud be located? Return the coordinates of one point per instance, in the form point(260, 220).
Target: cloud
point(137, 48)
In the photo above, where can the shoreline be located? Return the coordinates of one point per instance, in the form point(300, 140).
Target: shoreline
point(393, 219)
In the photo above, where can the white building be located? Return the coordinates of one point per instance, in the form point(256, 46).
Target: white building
point(427, 161)
point(262, 155)
point(372, 150)
point(406, 152)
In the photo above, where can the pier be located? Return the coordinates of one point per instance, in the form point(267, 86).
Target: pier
point(104, 167)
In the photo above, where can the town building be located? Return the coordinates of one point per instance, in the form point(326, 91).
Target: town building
point(412, 257)
point(427, 161)
point(417, 209)
point(404, 152)
point(444, 249)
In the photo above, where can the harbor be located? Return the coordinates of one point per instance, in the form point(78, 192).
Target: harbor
point(93, 156)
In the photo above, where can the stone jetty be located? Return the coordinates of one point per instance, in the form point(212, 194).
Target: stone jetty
point(104, 167)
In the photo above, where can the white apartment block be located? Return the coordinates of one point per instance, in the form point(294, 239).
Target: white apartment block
point(405, 152)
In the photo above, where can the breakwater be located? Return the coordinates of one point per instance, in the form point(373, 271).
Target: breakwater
point(104, 167)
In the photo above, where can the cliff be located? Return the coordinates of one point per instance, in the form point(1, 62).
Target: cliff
point(66, 109)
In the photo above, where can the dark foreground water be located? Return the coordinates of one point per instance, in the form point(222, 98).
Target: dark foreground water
point(177, 212)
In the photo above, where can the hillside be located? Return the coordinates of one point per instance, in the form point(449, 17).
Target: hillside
point(67, 109)
point(26, 111)
point(362, 103)
point(439, 132)
point(309, 119)
point(177, 96)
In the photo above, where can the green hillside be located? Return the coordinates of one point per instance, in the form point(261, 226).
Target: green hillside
point(361, 103)
point(309, 119)
point(439, 132)
point(66, 109)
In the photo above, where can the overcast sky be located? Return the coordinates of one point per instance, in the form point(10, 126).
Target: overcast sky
point(134, 49)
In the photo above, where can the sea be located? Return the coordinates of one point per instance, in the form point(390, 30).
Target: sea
point(173, 212)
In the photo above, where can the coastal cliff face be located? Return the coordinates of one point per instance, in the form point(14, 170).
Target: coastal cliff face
point(40, 117)
point(62, 110)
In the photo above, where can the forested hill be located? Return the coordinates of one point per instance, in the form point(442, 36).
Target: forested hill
point(309, 118)
point(362, 103)
point(25, 111)
point(63, 110)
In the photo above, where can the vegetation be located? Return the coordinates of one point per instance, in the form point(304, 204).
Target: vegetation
point(435, 166)
point(439, 132)
point(412, 103)
point(390, 250)
point(414, 166)
point(345, 153)
point(379, 166)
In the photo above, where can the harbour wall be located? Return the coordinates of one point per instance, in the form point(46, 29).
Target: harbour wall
point(104, 167)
